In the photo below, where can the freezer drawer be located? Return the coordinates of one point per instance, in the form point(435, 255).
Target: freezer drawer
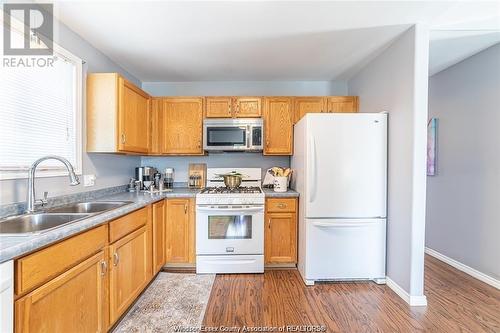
point(344, 249)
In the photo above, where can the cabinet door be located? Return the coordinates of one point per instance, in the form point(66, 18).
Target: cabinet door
point(303, 105)
point(74, 301)
point(133, 118)
point(342, 104)
point(180, 240)
point(247, 107)
point(159, 235)
point(218, 107)
point(278, 126)
point(183, 121)
point(130, 270)
point(157, 132)
point(281, 238)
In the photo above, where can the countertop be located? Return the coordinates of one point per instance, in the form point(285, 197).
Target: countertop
point(271, 194)
point(17, 246)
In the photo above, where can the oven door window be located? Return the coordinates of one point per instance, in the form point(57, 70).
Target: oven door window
point(230, 227)
point(226, 136)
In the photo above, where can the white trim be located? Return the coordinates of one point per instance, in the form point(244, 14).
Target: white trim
point(411, 300)
point(464, 268)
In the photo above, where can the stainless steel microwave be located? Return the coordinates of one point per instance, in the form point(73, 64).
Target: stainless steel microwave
point(233, 134)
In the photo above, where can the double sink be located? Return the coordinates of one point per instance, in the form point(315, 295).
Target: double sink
point(36, 223)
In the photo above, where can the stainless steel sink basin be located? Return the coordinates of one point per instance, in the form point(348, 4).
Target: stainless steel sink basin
point(89, 207)
point(36, 223)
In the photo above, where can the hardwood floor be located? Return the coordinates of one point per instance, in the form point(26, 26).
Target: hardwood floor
point(456, 303)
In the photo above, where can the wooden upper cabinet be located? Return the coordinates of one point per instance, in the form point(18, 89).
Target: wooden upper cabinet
point(233, 107)
point(247, 107)
point(183, 126)
point(219, 107)
point(73, 301)
point(133, 118)
point(180, 231)
point(118, 115)
point(342, 104)
point(159, 250)
point(303, 105)
point(157, 127)
point(278, 125)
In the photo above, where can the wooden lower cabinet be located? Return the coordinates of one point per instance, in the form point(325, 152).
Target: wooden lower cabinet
point(180, 231)
point(159, 250)
point(75, 301)
point(130, 270)
point(280, 236)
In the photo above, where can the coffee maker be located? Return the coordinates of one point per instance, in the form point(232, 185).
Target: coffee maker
point(145, 175)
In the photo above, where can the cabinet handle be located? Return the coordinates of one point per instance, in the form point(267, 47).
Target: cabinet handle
point(185, 209)
point(269, 223)
point(116, 259)
point(104, 267)
point(281, 205)
point(267, 143)
point(199, 144)
point(123, 138)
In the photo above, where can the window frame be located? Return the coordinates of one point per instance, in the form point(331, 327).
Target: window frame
point(22, 172)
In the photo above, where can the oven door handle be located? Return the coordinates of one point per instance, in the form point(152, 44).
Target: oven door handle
point(241, 209)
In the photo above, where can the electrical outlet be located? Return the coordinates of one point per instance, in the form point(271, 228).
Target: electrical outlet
point(88, 180)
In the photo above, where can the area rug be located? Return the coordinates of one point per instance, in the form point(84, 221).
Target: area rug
point(173, 302)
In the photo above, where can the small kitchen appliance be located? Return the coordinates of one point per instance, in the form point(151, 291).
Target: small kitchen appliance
point(168, 180)
point(230, 224)
point(145, 175)
point(233, 134)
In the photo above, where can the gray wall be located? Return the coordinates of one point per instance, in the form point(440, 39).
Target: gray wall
point(110, 170)
point(220, 160)
point(463, 198)
point(391, 83)
point(248, 88)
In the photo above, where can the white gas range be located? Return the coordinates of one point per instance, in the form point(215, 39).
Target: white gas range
point(230, 224)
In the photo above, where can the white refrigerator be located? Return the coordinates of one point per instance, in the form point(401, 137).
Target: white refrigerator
point(340, 171)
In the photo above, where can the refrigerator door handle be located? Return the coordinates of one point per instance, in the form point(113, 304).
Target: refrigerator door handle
point(312, 148)
point(342, 224)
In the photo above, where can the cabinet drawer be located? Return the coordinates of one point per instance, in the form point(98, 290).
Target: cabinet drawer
point(39, 267)
point(128, 223)
point(281, 205)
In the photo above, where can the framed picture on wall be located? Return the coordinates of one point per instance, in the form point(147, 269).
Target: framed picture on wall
point(432, 146)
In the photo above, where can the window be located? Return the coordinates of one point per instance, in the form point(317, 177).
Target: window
point(40, 114)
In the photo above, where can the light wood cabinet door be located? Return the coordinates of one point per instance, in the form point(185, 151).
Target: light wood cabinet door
point(303, 105)
point(157, 132)
point(247, 107)
point(74, 301)
point(133, 118)
point(180, 231)
point(342, 104)
point(130, 270)
point(280, 238)
point(218, 107)
point(183, 126)
point(159, 250)
point(278, 126)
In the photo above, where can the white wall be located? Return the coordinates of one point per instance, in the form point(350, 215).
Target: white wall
point(464, 197)
point(110, 170)
point(246, 88)
point(396, 82)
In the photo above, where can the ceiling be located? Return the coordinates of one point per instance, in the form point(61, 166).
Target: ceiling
point(262, 40)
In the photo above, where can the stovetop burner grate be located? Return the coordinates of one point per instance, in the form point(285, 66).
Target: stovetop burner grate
point(225, 190)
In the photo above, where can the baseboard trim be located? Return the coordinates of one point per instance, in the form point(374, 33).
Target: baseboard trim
point(464, 268)
point(411, 300)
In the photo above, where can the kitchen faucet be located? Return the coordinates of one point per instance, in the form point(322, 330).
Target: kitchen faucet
point(30, 201)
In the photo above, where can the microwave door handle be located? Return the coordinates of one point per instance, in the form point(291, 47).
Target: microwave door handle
point(248, 135)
